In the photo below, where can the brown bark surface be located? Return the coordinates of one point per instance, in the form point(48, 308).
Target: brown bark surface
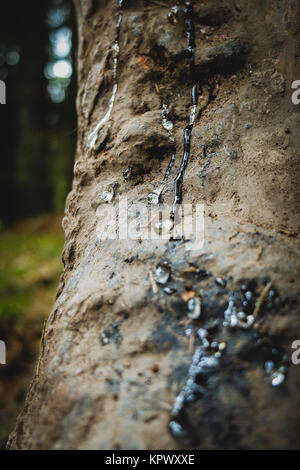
point(117, 347)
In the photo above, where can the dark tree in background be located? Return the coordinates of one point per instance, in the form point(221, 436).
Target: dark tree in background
point(38, 123)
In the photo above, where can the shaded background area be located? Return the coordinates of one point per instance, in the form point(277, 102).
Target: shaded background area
point(38, 135)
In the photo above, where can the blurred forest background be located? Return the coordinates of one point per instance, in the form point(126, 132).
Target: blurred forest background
point(38, 135)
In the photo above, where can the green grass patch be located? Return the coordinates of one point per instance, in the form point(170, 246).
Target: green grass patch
point(30, 264)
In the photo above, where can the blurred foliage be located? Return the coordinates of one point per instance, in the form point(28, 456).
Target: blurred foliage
point(30, 263)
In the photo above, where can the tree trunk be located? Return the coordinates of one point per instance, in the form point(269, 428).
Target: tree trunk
point(138, 322)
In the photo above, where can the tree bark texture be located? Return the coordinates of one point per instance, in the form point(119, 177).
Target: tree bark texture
point(119, 343)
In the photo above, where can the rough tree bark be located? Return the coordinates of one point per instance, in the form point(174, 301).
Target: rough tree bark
point(118, 345)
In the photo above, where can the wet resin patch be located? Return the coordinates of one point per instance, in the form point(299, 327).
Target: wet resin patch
point(93, 136)
point(190, 30)
point(223, 327)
